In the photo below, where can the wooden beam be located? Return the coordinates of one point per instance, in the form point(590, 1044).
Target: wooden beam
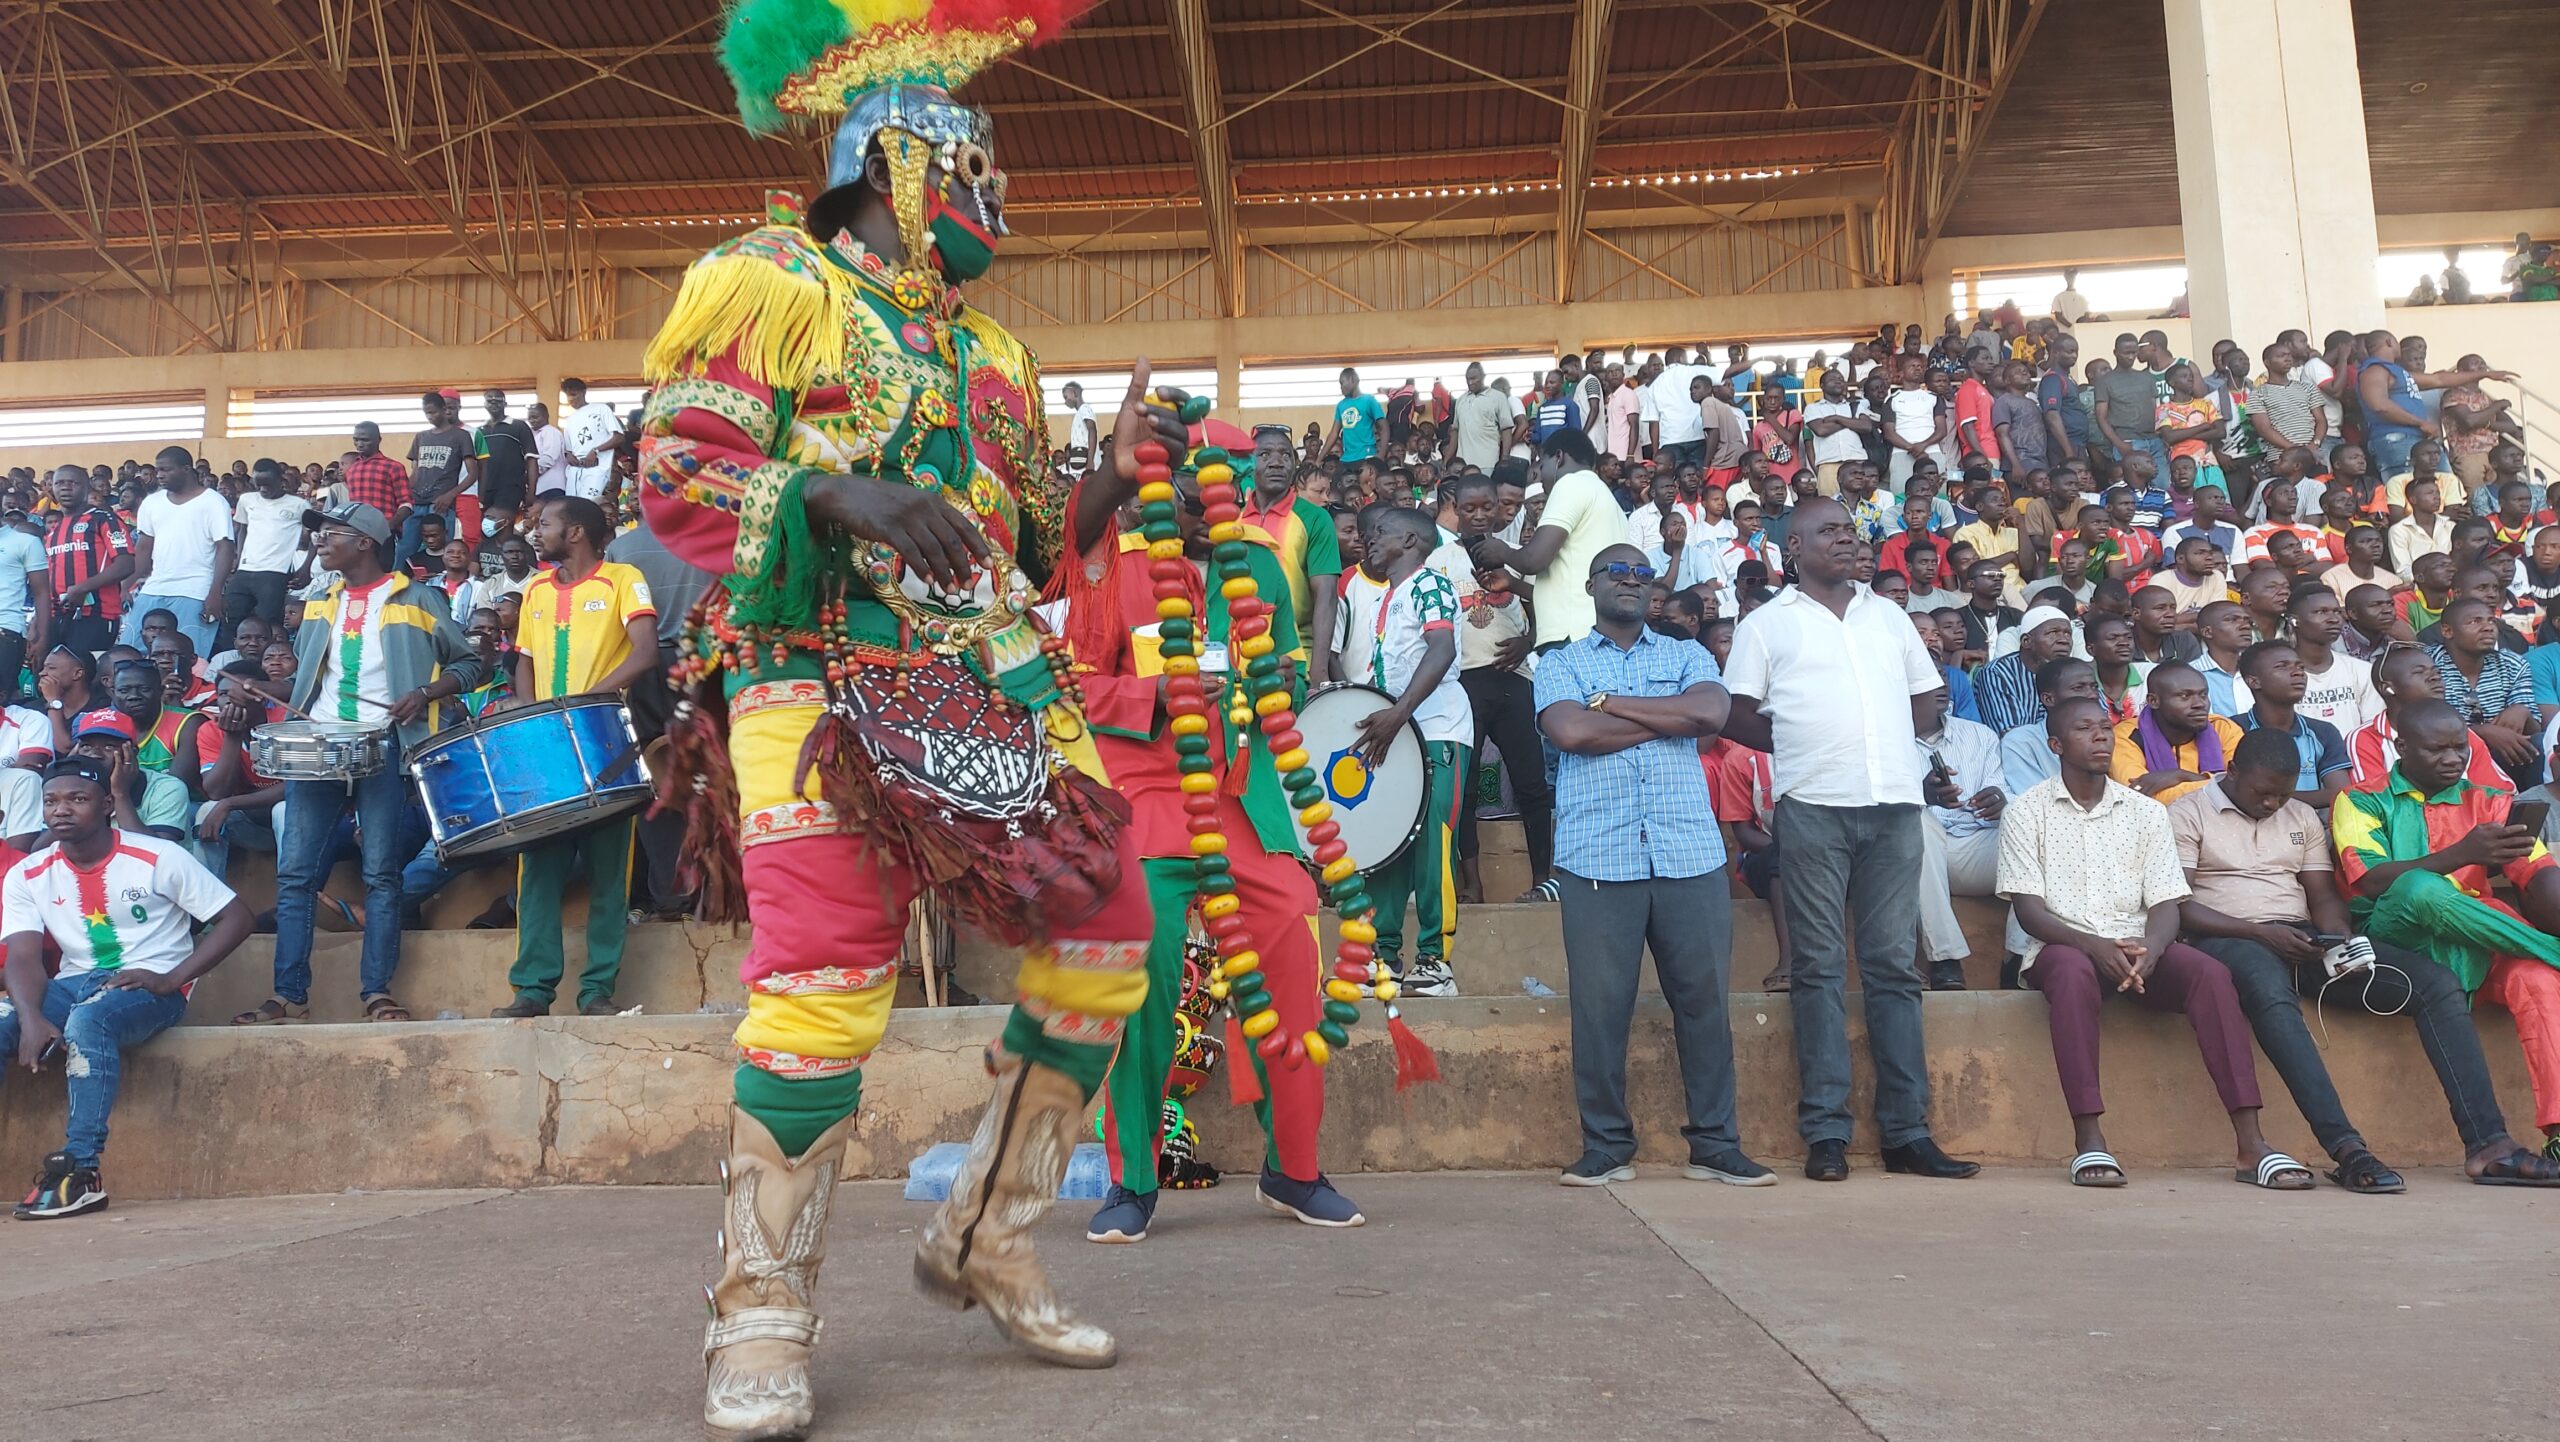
point(1586, 71)
point(2007, 51)
point(1204, 109)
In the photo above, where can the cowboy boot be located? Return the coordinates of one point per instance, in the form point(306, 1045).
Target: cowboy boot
point(773, 1235)
point(976, 1252)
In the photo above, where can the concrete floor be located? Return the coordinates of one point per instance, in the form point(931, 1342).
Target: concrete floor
point(1473, 1305)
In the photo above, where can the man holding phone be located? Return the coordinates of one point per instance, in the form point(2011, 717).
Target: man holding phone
point(2415, 855)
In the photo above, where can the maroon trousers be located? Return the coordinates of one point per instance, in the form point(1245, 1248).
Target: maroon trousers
point(2186, 980)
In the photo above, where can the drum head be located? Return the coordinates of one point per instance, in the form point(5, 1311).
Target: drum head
point(1378, 808)
point(543, 824)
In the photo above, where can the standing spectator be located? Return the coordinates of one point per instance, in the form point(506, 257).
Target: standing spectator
point(550, 452)
point(377, 648)
point(1974, 425)
point(1678, 431)
point(1493, 653)
point(91, 551)
point(1407, 646)
point(2128, 406)
point(592, 432)
point(268, 522)
point(589, 629)
point(182, 556)
point(2017, 425)
point(1580, 521)
point(1084, 432)
point(2093, 871)
point(26, 603)
point(1302, 537)
point(1481, 419)
point(2065, 419)
point(1631, 415)
point(1555, 408)
point(1840, 424)
point(375, 479)
point(2287, 412)
point(1640, 864)
point(119, 908)
point(2395, 419)
point(1960, 845)
point(510, 464)
point(440, 466)
point(1916, 421)
point(1358, 420)
point(1832, 681)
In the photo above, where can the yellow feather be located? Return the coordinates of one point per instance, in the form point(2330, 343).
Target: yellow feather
point(767, 300)
point(862, 14)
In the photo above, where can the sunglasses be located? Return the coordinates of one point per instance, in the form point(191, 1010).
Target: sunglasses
point(1627, 570)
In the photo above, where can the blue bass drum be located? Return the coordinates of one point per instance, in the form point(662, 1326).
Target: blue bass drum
point(516, 778)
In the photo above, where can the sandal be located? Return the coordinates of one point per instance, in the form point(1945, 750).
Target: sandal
point(1780, 979)
point(2097, 1169)
point(274, 1011)
point(2363, 1173)
point(2520, 1168)
point(2276, 1172)
point(380, 1007)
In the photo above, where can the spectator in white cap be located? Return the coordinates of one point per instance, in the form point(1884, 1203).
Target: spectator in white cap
point(2004, 692)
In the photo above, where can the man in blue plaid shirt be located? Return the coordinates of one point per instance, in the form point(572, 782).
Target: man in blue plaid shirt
point(1638, 861)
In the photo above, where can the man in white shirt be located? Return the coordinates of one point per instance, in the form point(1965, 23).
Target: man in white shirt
point(182, 552)
point(1590, 394)
point(1833, 682)
point(1084, 431)
point(1840, 424)
point(550, 450)
point(593, 431)
point(268, 522)
point(1483, 420)
point(2069, 305)
point(1960, 848)
point(119, 906)
point(1678, 431)
point(1580, 521)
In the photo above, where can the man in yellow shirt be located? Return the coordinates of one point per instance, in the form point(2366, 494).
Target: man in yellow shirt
point(2174, 744)
point(588, 628)
point(1994, 536)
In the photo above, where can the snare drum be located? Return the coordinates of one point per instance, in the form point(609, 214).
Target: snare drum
point(318, 750)
point(515, 778)
point(1379, 810)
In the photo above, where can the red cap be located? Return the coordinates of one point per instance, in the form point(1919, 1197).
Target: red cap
point(112, 722)
point(449, 393)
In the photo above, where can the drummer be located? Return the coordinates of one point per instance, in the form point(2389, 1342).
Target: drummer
point(588, 629)
point(378, 650)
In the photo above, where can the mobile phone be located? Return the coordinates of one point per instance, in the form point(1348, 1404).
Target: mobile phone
point(2529, 815)
point(52, 1054)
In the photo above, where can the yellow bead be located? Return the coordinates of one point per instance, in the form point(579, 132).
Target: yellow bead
point(1290, 760)
point(1156, 491)
point(1240, 963)
point(1217, 473)
point(1208, 844)
point(1182, 665)
point(1261, 1024)
point(1194, 725)
point(1387, 990)
point(1359, 931)
point(1316, 815)
point(1227, 531)
point(1255, 646)
point(1165, 550)
point(1218, 989)
point(1319, 1051)
point(1198, 783)
point(1173, 608)
point(1273, 703)
point(1341, 990)
point(1241, 715)
point(1239, 589)
point(1341, 869)
point(1226, 905)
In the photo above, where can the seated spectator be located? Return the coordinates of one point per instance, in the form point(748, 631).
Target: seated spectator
point(1743, 789)
point(2415, 855)
point(488, 642)
point(2263, 591)
point(2025, 759)
point(2225, 630)
point(145, 800)
point(182, 687)
point(2491, 689)
point(241, 802)
point(168, 740)
point(2195, 576)
point(2175, 744)
point(2005, 691)
point(1960, 847)
point(122, 981)
point(2483, 583)
point(2265, 903)
point(2161, 632)
point(2093, 870)
point(2403, 674)
point(2276, 680)
point(2111, 647)
point(2337, 687)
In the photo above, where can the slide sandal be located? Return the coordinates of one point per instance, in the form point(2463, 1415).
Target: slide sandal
point(2108, 1171)
point(2277, 1172)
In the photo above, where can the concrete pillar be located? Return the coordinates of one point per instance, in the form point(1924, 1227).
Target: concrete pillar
point(217, 412)
point(1230, 371)
point(2273, 181)
point(547, 376)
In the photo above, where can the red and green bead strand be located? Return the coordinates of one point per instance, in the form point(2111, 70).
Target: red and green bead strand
point(1262, 691)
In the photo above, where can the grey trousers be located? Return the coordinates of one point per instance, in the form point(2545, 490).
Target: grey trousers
point(1861, 860)
point(1688, 921)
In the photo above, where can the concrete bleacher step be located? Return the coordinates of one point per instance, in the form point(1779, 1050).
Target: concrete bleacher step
point(217, 1111)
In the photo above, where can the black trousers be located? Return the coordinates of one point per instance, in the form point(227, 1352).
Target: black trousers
point(1506, 707)
point(661, 836)
point(246, 594)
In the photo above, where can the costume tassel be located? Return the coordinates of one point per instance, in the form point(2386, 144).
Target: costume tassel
point(779, 324)
point(1414, 1061)
point(701, 786)
point(1243, 1087)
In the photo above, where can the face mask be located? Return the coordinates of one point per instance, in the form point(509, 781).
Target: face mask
point(488, 525)
point(963, 246)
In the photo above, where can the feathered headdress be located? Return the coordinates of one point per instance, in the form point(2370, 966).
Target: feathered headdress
point(808, 59)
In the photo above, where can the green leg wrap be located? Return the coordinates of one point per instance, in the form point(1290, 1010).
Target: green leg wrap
point(797, 1111)
point(1083, 1061)
point(1135, 1108)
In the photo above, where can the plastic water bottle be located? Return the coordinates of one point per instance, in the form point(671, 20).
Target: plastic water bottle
point(929, 1177)
point(1536, 988)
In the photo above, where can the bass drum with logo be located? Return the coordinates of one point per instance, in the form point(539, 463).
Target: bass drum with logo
point(1379, 808)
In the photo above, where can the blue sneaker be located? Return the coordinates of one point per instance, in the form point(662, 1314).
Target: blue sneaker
point(1123, 1218)
point(1315, 1203)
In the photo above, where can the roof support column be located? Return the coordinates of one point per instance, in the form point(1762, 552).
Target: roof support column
point(1585, 74)
point(2273, 180)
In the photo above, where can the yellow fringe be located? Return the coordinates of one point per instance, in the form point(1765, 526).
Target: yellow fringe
point(768, 300)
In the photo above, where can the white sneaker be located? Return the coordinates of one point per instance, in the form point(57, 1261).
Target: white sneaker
point(1429, 978)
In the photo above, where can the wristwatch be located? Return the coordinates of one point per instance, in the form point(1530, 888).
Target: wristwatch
point(1599, 701)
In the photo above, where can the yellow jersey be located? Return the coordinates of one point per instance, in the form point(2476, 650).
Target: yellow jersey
point(576, 634)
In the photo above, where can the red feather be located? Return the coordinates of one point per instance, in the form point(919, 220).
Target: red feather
point(1048, 17)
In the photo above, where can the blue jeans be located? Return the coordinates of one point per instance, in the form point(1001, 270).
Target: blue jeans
point(188, 609)
point(97, 1023)
point(426, 874)
point(308, 849)
point(2389, 450)
point(1682, 453)
point(412, 528)
point(2157, 449)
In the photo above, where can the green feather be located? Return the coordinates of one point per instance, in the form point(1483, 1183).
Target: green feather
point(767, 42)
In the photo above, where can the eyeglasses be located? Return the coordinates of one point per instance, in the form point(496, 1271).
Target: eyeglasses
point(1627, 570)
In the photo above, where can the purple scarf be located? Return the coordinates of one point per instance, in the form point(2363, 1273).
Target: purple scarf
point(2158, 754)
